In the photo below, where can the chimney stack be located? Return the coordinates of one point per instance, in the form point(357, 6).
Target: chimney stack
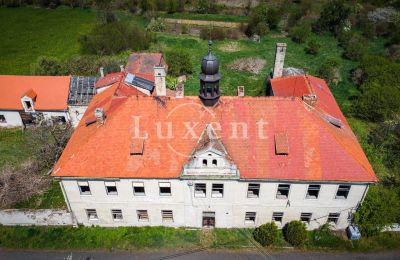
point(240, 91)
point(99, 114)
point(180, 90)
point(122, 68)
point(279, 59)
point(159, 77)
point(102, 72)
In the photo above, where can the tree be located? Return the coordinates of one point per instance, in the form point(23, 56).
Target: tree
point(300, 32)
point(333, 17)
point(355, 49)
point(295, 233)
point(47, 66)
point(262, 14)
point(380, 208)
point(179, 62)
point(329, 70)
point(266, 234)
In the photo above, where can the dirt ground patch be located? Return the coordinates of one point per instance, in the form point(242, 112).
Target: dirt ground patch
point(252, 65)
point(230, 47)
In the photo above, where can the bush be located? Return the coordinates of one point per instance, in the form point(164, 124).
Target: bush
point(215, 34)
point(380, 208)
point(295, 233)
point(355, 48)
point(312, 47)
point(47, 66)
point(262, 29)
point(266, 234)
point(156, 25)
point(115, 37)
point(300, 32)
point(179, 62)
point(265, 15)
point(333, 17)
point(328, 70)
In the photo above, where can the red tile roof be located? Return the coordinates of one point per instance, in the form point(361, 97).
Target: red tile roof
point(142, 64)
point(109, 79)
point(318, 151)
point(51, 91)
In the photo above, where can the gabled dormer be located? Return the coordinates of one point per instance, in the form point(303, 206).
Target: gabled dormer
point(210, 159)
point(28, 100)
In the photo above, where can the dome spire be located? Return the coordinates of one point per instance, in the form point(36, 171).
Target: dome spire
point(209, 78)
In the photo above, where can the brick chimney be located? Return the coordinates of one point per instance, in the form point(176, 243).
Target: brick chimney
point(159, 78)
point(180, 90)
point(279, 59)
point(240, 91)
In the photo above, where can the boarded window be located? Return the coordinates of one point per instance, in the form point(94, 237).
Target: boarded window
point(283, 191)
point(111, 187)
point(116, 214)
point(217, 190)
point(142, 215)
point(343, 192)
point(167, 216)
point(281, 144)
point(84, 187)
point(305, 217)
point(91, 214)
point(253, 190)
point(250, 217)
point(137, 146)
point(277, 217)
point(313, 191)
point(200, 190)
point(138, 188)
point(165, 188)
point(333, 218)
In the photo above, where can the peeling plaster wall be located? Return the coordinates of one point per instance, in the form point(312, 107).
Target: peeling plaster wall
point(41, 217)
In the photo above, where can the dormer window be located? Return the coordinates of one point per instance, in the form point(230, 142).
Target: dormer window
point(205, 162)
point(28, 100)
point(28, 105)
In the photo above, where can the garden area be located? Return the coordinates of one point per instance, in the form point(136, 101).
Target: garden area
point(355, 48)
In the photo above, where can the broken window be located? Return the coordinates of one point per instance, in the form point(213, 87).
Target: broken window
point(217, 190)
point(200, 190)
point(305, 217)
point(142, 215)
point(28, 105)
point(165, 188)
point(116, 214)
point(250, 217)
point(333, 218)
point(204, 162)
point(84, 188)
point(167, 216)
point(313, 191)
point(253, 190)
point(111, 187)
point(3, 119)
point(283, 191)
point(277, 217)
point(91, 214)
point(214, 162)
point(138, 188)
point(342, 192)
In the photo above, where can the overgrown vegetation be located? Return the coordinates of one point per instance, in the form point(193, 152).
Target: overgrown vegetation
point(179, 62)
point(266, 234)
point(295, 233)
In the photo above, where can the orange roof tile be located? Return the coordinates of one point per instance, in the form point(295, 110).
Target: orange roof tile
point(51, 91)
point(319, 151)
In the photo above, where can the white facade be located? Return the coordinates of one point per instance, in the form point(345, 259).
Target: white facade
point(188, 208)
point(13, 118)
point(76, 113)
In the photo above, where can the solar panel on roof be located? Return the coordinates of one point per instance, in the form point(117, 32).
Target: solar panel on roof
point(139, 82)
point(81, 90)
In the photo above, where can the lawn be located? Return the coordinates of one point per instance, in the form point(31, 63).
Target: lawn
point(28, 33)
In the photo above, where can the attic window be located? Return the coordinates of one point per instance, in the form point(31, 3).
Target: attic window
point(28, 105)
point(281, 144)
point(205, 162)
point(137, 146)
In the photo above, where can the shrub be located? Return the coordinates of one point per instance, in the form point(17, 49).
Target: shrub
point(47, 66)
point(213, 34)
point(380, 208)
point(179, 62)
point(266, 234)
point(262, 29)
point(263, 14)
point(355, 48)
point(333, 17)
point(156, 25)
point(313, 47)
point(115, 37)
point(328, 70)
point(300, 32)
point(184, 29)
point(295, 233)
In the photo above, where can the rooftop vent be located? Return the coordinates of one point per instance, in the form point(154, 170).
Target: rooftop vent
point(137, 146)
point(310, 99)
point(240, 91)
point(180, 90)
point(100, 115)
point(281, 144)
point(333, 120)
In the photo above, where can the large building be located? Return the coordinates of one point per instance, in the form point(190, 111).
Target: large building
point(212, 160)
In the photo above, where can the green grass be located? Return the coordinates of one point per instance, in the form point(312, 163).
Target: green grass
point(28, 33)
point(207, 17)
point(13, 148)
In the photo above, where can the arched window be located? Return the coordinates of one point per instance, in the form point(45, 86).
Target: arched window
point(214, 162)
point(205, 162)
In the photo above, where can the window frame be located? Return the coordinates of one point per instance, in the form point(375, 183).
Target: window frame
point(337, 191)
point(308, 188)
point(248, 189)
point(212, 191)
point(288, 192)
point(306, 215)
point(111, 184)
point(80, 189)
point(4, 120)
point(115, 213)
point(139, 212)
point(330, 216)
point(167, 220)
point(141, 185)
point(200, 195)
point(89, 212)
point(281, 213)
point(161, 185)
point(248, 215)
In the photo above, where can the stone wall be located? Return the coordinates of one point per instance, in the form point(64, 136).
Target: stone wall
point(40, 217)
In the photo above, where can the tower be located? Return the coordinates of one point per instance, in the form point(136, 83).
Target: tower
point(209, 79)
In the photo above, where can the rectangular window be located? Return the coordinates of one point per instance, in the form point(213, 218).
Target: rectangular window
point(138, 188)
point(253, 190)
point(84, 187)
point(250, 217)
point(217, 190)
point(277, 217)
point(165, 188)
point(313, 191)
point(283, 191)
point(333, 218)
point(343, 192)
point(305, 217)
point(142, 215)
point(3, 119)
point(28, 105)
point(111, 187)
point(116, 214)
point(200, 190)
point(167, 216)
point(91, 214)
